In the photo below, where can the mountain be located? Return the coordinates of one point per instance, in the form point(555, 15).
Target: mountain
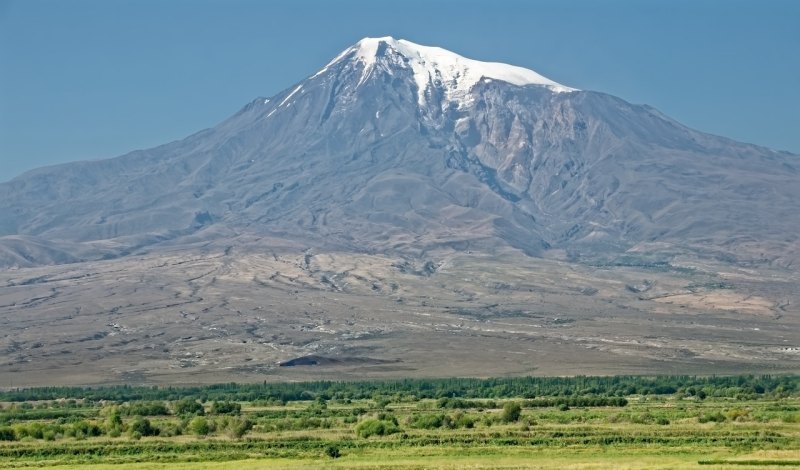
point(406, 211)
point(401, 147)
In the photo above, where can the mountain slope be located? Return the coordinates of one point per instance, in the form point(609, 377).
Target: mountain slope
point(396, 147)
point(406, 212)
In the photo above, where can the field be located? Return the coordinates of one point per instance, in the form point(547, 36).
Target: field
point(581, 422)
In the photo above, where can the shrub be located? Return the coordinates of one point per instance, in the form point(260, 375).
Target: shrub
point(738, 414)
point(714, 418)
point(239, 427)
point(511, 412)
point(461, 420)
point(333, 452)
point(199, 426)
point(426, 421)
point(226, 407)
point(375, 427)
point(171, 429)
point(383, 416)
point(143, 427)
point(642, 418)
point(155, 408)
point(187, 406)
point(81, 429)
point(458, 403)
point(7, 434)
point(317, 408)
point(113, 422)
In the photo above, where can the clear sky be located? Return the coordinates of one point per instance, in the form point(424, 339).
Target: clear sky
point(89, 79)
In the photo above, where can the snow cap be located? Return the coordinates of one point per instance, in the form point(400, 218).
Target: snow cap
point(456, 74)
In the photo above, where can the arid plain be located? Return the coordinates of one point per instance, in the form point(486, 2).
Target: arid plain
point(218, 314)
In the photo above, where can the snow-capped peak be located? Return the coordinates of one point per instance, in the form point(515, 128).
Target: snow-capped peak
point(456, 74)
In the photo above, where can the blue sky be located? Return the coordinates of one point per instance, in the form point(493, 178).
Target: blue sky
point(88, 79)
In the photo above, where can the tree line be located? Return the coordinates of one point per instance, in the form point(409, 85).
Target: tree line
point(742, 386)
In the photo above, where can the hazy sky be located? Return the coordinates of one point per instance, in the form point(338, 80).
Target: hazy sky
point(88, 79)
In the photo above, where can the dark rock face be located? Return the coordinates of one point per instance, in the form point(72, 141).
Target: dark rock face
point(316, 360)
point(306, 361)
point(351, 158)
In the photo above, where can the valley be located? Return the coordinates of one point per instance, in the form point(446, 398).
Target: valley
point(627, 422)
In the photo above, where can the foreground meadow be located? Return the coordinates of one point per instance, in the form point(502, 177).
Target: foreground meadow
point(588, 423)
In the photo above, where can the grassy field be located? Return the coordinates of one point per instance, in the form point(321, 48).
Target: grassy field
point(747, 426)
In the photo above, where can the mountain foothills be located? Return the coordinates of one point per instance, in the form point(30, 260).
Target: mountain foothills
point(407, 211)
